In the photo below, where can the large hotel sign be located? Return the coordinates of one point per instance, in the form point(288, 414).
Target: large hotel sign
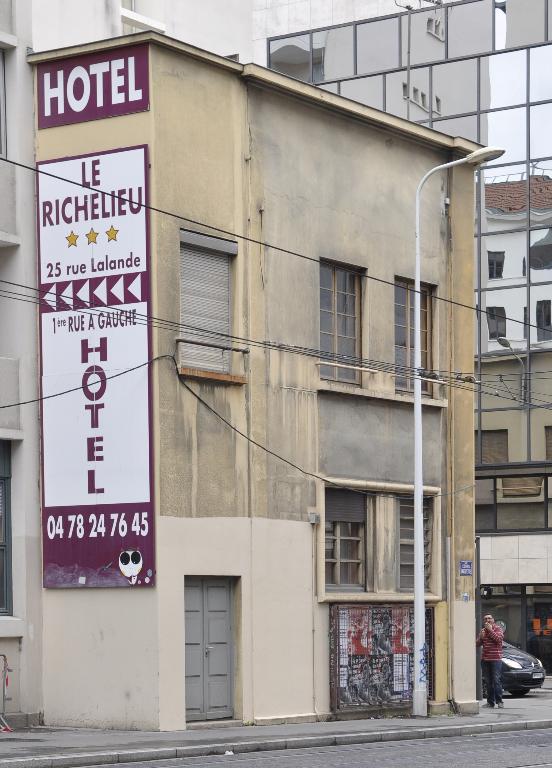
point(93, 86)
point(97, 514)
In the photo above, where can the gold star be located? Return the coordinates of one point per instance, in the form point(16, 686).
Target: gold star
point(72, 239)
point(112, 233)
point(92, 236)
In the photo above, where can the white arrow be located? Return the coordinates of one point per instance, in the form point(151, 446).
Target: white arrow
point(101, 291)
point(50, 297)
point(135, 288)
point(84, 293)
point(66, 295)
point(118, 290)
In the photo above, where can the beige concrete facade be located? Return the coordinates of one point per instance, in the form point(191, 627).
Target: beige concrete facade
point(251, 152)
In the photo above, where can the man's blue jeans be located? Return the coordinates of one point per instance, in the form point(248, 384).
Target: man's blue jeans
point(492, 675)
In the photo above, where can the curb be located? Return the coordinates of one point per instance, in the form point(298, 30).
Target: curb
point(301, 742)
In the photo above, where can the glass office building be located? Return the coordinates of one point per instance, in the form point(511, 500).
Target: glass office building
point(482, 69)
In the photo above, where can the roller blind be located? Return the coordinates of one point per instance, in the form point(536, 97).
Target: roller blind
point(494, 446)
point(345, 506)
point(204, 307)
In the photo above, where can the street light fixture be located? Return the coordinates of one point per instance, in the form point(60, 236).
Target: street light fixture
point(507, 345)
point(419, 698)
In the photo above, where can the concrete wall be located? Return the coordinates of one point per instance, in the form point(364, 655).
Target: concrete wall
point(224, 28)
point(57, 23)
point(272, 561)
point(362, 438)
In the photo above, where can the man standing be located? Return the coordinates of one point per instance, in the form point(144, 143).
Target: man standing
point(490, 640)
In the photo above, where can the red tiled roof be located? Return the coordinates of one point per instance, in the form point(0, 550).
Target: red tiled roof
point(511, 196)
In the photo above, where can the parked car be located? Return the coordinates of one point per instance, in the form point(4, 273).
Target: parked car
point(520, 671)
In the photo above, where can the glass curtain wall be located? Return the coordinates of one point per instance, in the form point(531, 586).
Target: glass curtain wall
point(478, 69)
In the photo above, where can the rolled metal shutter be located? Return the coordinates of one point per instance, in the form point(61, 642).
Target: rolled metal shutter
point(345, 506)
point(204, 308)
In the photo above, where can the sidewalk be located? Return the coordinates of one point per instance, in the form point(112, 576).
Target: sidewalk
point(56, 747)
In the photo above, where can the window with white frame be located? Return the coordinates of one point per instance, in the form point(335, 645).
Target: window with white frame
point(205, 301)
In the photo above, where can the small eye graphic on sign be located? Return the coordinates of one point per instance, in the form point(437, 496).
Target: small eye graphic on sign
point(130, 564)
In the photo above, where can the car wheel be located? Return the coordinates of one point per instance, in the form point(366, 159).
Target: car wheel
point(518, 694)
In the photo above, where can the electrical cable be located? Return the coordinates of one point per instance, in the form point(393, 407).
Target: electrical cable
point(245, 238)
point(379, 366)
point(170, 325)
point(76, 389)
point(314, 475)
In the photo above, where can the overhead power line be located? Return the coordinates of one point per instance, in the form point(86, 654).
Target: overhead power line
point(453, 382)
point(450, 379)
point(246, 238)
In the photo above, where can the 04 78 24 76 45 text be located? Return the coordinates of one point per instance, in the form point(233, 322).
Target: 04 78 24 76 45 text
point(94, 525)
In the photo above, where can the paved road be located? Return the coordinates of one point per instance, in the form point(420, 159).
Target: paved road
point(508, 750)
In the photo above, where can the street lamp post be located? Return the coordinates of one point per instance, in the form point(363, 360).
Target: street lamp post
point(508, 345)
point(419, 700)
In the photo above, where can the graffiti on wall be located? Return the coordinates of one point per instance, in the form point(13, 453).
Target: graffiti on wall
point(371, 653)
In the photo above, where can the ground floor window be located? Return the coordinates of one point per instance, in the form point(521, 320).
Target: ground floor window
point(360, 531)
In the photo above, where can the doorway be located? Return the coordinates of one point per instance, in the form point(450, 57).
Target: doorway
point(209, 652)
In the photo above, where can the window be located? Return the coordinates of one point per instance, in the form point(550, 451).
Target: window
point(332, 54)
point(548, 443)
point(540, 253)
point(205, 264)
point(340, 320)
point(496, 264)
point(292, 56)
point(435, 27)
point(345, 539)
point(494, 446)
point(496, 321)
point(5, 531)
point(363, 529)
point(544, 320)
point(377, 46)
point(406, 543)
point(404, 333)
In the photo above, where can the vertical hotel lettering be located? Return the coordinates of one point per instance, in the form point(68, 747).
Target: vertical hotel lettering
point(95, 341)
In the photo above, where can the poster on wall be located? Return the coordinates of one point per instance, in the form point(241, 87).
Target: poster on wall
point(97, 512)
point(371, 655)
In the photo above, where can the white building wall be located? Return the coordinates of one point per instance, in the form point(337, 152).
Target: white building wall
point(20, 633)
point(517, 559)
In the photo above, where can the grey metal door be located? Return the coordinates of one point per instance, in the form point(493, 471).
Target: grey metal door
point(208, 629)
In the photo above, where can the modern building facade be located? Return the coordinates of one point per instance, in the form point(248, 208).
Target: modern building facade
point(250, 499)
point(479, 69)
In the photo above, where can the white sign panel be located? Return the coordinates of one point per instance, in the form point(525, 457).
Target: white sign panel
point(94, 275)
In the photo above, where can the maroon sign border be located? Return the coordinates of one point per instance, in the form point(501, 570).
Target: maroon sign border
point(105, 508)
point(92, 111)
